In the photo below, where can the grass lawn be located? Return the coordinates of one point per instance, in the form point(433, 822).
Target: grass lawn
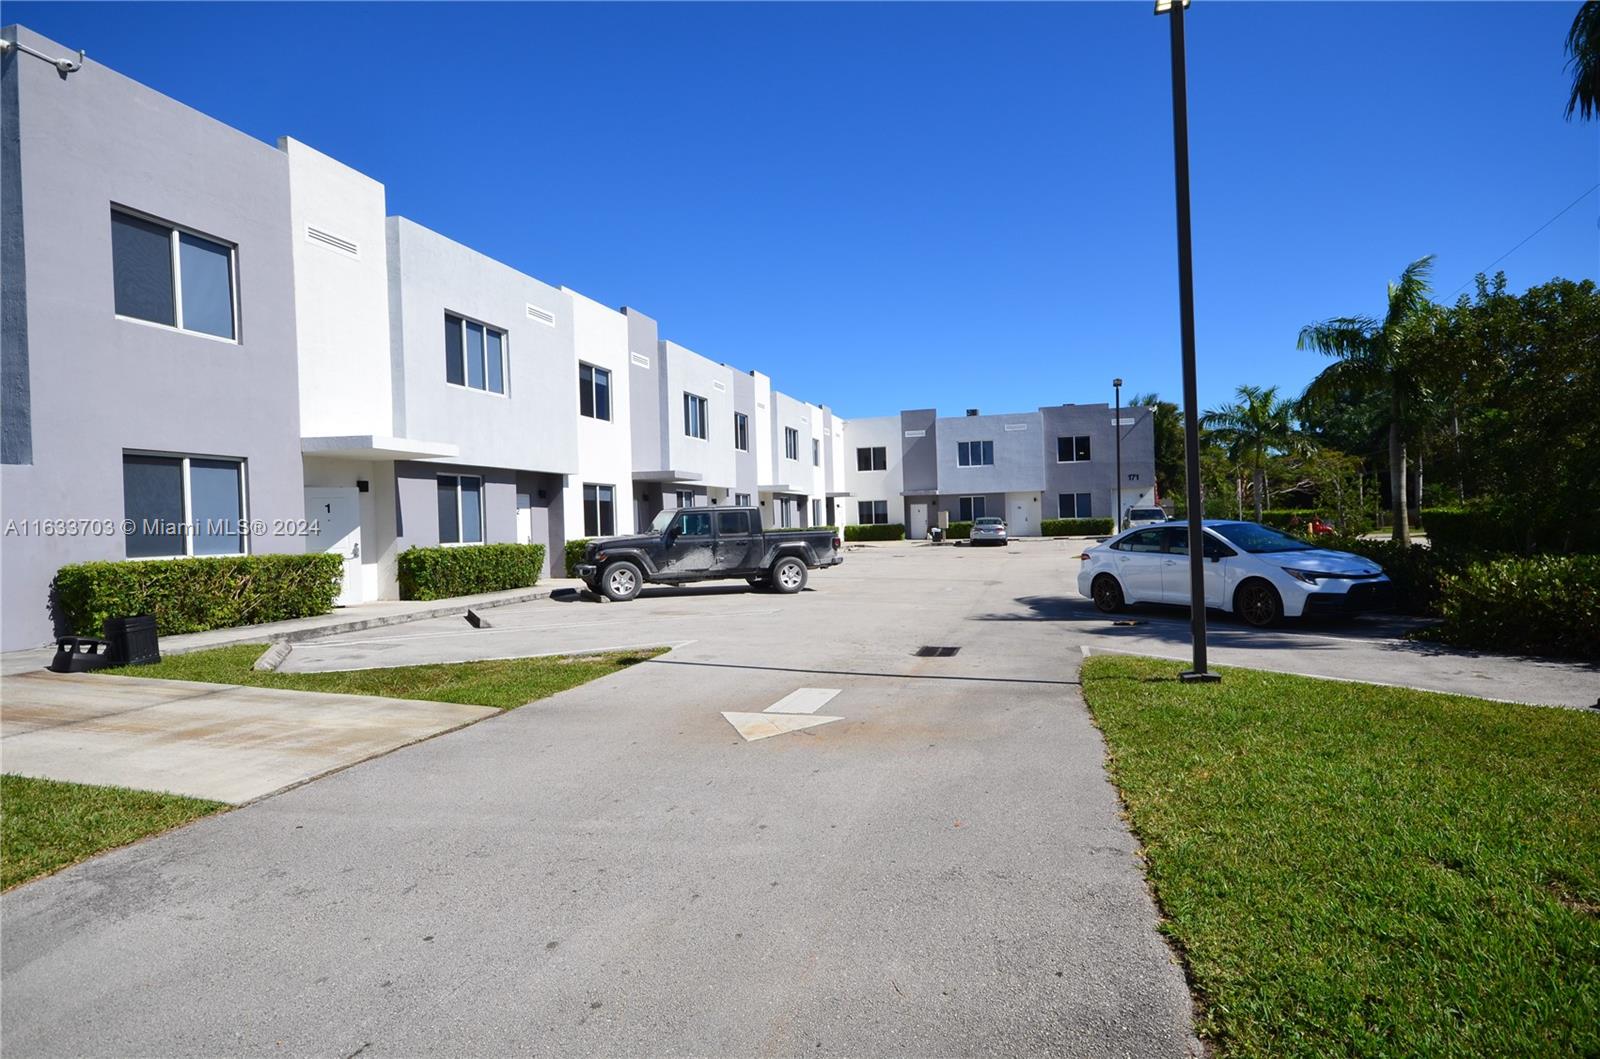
point(505, 683)
point(1361, 870)
point(46, 826)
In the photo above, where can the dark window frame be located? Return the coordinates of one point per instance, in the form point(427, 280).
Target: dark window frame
point(175, 234)
point(975, 453)
point(188, 519)
point(460, 326)
point(599, 513)
point(594, 397)
point(460, 541)
point(696, 414)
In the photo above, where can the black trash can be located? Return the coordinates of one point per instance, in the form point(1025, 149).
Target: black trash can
point(80, 654)
point(936, 534)
point(132, 641)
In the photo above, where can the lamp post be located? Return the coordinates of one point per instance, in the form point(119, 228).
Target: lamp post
point(1116, 424)
point(1191, 423)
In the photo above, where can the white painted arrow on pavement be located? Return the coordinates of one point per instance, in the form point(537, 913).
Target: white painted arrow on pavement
point(792, 713)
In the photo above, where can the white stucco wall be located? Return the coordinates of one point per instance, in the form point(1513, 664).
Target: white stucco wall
point(605, 449)
point(713, 457)
point(872, 485)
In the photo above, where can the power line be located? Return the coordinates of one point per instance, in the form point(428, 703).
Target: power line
point(1536, 231)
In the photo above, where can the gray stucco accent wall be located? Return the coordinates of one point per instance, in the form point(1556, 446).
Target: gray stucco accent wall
point(646, 392)
point(919, 455)
point(1098, 476)
point(16, 410)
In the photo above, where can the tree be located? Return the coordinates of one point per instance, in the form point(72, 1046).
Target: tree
point(1383, 357)
point(1167, 422)
point(1583, 49)
point(1256, 426)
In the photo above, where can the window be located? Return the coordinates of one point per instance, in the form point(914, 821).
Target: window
point(975, 453)
point(1075, 505)
point(1073, 449)
point(872, 459)
point(474, 355)
point(165, 275)
point(460, 509)
point(733, 523)
point(741, 432)
point(1146, 540)
point(816, 512)
point(791, 443)
point(694, 524)
point(599, 511)
point(971, 507)
point(816, 453)
point(872, 512)
point(182, 505)
point(594, 391)
point(742, 500)
point(685, 498)
point(696, 412)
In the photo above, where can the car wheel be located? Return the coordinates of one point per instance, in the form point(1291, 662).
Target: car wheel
point(1107, 593)
point(621, 581)
point(1258, 603)
point(789, 575)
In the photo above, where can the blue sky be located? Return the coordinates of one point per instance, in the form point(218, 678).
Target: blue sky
point(892, 206)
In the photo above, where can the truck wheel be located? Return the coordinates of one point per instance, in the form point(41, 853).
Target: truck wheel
point(789, 575)
point(621, 581)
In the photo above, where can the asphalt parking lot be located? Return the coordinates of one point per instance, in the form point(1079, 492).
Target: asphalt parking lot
point(792, 834)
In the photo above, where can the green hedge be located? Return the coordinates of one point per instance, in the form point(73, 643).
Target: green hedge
point(1076, 527)
point(1470, 532)
point(892, 532)
point(958, 531)
point(574, 554)
point(193, 595)
point(1415, 569)
point(440, 573)
point(1545, 605)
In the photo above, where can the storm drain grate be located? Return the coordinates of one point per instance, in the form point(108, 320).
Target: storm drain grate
point(926, 651)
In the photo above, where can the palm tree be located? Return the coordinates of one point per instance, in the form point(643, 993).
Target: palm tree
point(1252, 428)
point(1380, 357)
point(1583, 45)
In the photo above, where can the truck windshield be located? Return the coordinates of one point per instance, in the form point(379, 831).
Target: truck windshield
point(660, 522)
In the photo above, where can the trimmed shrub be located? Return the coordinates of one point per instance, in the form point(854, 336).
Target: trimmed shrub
point(1545, 605)
point(1281, 517)
point(891, 532)
point(193, 595)
point(1415, 569)
point(440, 573)
point(574, 554)
point(958, 531)
point(1471, 532)
point(1076, 527)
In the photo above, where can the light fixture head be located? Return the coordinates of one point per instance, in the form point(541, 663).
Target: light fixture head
point(1165, 6)
point(1117, 383)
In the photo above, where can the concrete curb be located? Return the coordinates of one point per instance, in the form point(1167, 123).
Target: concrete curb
point(273, 657)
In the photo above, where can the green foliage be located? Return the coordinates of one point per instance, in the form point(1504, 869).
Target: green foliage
point(1583, 58)
point(574, 554)
point(891, 532)
point(1546, 605)
point(193, 595)
point(1415, 569)
point(441, 573)
point(1166, 422)
point(1260, 424)
point(1356, 870)
point(1285, 517)
point(1075, 527)
point(958, 531)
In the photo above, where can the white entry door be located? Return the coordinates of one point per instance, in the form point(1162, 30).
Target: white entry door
point(918, 528)
point(524, 518)
point(1022, 514)
point(334, 518)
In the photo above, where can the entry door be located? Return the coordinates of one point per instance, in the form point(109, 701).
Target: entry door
point(919, 522)
point(1022, 509)
point(334, 520)
point(524, 518)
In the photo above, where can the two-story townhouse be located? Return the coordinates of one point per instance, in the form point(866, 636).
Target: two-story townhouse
point(872, 458)
point(147, 338)
point(793, 487)
point(599, 495)
point(989, 465)
point(1080, 459)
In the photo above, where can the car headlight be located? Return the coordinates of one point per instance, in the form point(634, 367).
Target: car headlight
point(1308, 576)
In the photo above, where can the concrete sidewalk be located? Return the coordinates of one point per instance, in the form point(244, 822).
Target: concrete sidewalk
point(218, 741)
point(342, 620)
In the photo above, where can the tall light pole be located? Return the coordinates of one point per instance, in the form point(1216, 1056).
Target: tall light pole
point(1191, 422)
point(1116, 423)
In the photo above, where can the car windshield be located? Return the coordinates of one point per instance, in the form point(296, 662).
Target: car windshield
point(1258, 539)
point(991, 522)
point(1146, 514)
point(659, 523)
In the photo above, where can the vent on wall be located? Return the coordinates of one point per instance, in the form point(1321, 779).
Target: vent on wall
point(544, 316)
point(639, 359)
point(720, 387)
point(331, 241)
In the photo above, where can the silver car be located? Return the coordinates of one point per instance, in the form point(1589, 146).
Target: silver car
point(1143, 516)
point(989, 531)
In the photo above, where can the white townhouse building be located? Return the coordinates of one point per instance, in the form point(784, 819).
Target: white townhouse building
point(198, 328)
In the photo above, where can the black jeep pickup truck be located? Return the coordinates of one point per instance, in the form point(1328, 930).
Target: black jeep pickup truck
point(707, 544)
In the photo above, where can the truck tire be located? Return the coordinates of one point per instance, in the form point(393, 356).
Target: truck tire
point(789, 575)
point(621, 581)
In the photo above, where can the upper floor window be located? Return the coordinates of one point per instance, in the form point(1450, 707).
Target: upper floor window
point(594, 392)
point(474, 355)
point(872, 459)
point(816, 453)
point(741, 432)
point(460, 509)
point(872, 512)
point(177, 506)
point(696, 414)
point(791, 443)
point(975, 453)
point(1072, 450)
point(166, 275)
point(599, 511)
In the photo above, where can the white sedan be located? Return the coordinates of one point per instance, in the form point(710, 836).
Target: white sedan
point(1257, 573)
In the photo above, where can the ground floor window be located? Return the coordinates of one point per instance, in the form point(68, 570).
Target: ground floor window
point(816, 512)
point(1075, 505)
point(685, 498)
point(872, 512)
point(599, 511)
point(460, 509)
point(177, 506)
point(971, 507)
point(742, 500)
point(788, 510)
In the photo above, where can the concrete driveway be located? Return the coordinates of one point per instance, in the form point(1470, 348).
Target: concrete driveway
point(623, 869)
